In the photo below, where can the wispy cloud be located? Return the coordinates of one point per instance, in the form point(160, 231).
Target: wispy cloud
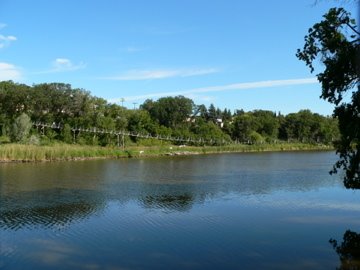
point(138, 75)
point(62, 65)
point(6, 40)
point(9, 72)
point(228, 87)
point(201, 98)
point(133, 49)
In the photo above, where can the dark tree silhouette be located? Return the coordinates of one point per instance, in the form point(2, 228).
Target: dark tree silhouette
point(335, 40)
point(348, 250)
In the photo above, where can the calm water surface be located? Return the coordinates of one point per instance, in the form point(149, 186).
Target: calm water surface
point(233, 211)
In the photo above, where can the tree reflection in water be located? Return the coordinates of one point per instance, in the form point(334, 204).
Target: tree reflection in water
point(178, 202)
point(348, 250)
point(50, 208)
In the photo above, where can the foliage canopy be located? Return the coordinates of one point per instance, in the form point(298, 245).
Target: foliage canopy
point(335, 41)
point(178, 117)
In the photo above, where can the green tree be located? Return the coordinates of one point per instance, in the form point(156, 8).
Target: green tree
point(14, 99)
point(170, 111)
point(66, 134)
point(21, 128)
point(201, 111)
point(305, 126)
point(255, 137)
point(141, 122)
point(243, 125)
point(212, 115)
point(119, 114)
point(268, 123)
point(335, 40)
point(210, 132)
point(226, 115)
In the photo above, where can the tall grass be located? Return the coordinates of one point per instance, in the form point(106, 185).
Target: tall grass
point(20, 152)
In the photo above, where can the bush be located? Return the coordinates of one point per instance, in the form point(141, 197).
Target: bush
point(21, 128)
point(4, 139)
point(66, 134)
point(34, 140)
point(255, 137)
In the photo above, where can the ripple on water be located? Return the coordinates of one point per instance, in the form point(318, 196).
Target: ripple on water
point(47, 209)
point(233, 211)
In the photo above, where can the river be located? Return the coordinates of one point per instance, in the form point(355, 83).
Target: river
point(223, 211)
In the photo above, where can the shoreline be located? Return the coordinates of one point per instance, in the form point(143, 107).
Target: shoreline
point(18, 153)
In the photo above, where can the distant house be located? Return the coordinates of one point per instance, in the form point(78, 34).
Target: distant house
point(219, 122)
point(190, 119)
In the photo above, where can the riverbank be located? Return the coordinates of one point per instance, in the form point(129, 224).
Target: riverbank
point(58, 152)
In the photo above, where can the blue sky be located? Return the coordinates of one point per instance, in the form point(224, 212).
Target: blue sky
point(235, 54)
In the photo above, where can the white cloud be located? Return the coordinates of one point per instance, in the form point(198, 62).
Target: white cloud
point(9, 72)
point(201, 98)
point(6, 40)
point(11, 38)
point(138, 75)
point(221, 88)
point(63, 65)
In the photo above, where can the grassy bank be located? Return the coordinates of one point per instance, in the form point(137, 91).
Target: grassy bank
point(31, 153)
point(19, 152)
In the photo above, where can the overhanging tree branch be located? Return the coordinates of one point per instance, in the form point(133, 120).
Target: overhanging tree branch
point(339, 52)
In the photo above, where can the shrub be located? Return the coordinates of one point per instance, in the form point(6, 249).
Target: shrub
point(255, 137)
point(21, 128)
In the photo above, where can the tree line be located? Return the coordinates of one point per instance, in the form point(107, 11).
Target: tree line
point(22, 105)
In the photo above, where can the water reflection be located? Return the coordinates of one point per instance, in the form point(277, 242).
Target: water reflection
point(167, 201)
point(57, 194)
point(252, 211)
point(348, 250)
point(50, 208)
